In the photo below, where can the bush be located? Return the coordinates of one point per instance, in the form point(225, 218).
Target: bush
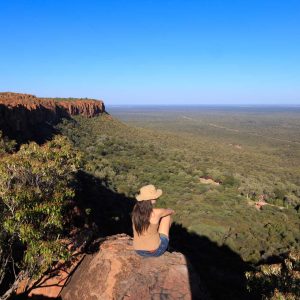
point(35, 184)
point(6, 146)
point(277, 281)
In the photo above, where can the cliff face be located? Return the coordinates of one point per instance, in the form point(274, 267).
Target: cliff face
point(87, 108)
point(25, 117)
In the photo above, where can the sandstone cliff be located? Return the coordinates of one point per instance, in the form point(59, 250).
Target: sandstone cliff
point(113, 271)
point(25, 117)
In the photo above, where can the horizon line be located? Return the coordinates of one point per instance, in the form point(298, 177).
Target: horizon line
point(207, 105)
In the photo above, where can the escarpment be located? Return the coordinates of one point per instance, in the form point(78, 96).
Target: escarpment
point(26, 117)
point(87, 108)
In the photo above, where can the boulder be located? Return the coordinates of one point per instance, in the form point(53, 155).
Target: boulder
point(115, 271)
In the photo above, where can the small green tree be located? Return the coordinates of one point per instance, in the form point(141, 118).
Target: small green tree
point(6, 145)
point(277, 281)
point(35, 183)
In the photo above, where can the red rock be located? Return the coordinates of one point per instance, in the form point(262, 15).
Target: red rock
point(117, 272)
point(87, 108)
point(25, 117)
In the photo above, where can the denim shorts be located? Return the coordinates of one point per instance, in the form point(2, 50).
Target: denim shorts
point(164, 242)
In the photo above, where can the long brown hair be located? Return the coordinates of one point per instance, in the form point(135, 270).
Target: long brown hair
point(141, 215)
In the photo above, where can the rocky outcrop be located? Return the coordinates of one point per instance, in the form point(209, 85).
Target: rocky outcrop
point(114, 271)
point(25, 117)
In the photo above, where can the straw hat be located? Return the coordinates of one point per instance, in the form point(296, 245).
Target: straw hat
point(148, 192)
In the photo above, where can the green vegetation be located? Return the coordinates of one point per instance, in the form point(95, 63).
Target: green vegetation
point(6, 145)
point(128, 157)
point(247, 157)
point(277, 281)
point(69, 99)
point(35, 186)
point(173, 154)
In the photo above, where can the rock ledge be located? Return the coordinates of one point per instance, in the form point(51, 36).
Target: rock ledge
point(115, 271)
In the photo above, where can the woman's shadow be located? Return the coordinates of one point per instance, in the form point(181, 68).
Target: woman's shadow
point(220, 269)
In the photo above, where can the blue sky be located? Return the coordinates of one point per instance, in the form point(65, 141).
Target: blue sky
point(153, 52)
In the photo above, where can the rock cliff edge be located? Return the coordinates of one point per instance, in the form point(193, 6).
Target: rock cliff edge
point(114, 271)
point(25, 117)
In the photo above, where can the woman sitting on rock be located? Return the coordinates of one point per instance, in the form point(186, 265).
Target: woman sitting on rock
point(150, 225)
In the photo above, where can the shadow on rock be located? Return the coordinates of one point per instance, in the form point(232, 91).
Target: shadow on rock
point(23, 125)
point(35, 297)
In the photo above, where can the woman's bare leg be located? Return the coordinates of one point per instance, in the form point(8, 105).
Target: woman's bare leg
point(165, 224)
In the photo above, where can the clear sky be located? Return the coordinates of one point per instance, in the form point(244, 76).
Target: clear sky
point(153, 52)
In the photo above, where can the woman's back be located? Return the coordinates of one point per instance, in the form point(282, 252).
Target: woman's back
point(148, 240)
point(150, 225)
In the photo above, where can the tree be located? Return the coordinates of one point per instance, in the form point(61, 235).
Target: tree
point(6, 145)
point(277, 281)
point(35, 184)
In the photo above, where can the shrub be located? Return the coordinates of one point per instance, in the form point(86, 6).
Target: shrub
point(277, 281)
point(35, 184)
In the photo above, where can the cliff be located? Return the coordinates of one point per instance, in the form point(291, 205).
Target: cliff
point(112, 270)
point(25, 117)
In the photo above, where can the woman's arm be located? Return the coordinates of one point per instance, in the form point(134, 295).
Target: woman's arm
point(162, 212)
point(159, 213)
